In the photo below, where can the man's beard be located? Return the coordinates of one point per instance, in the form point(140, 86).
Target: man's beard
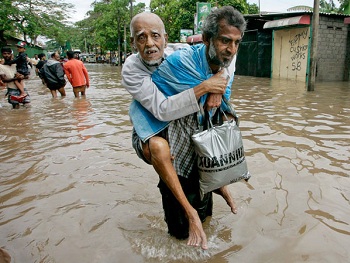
point(152, 63)
point(214, 59)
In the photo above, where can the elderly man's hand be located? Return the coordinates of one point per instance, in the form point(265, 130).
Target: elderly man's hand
point(213, 101)
point(215, 85)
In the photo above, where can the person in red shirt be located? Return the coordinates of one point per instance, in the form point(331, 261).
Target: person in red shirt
point(76, 74)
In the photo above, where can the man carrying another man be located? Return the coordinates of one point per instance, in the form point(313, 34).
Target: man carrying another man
point(8, 75)
point(151, 110)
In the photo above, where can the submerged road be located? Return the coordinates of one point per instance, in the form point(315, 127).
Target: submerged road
point(73, 190)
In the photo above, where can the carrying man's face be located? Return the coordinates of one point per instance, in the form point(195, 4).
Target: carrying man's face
point(222, 48)
point(149, 39)
point(7, 55)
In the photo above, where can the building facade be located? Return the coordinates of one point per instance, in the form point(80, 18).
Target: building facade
point(290, 44)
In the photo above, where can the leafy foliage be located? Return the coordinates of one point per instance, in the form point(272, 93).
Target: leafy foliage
point(106, 26)
point(31, 18)
point(344, 7)
point(183, 16)
point(330, 6)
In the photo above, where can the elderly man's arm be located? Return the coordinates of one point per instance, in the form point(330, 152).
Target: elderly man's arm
point(137, 80)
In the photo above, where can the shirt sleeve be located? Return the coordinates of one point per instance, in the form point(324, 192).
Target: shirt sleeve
point(86, 74)
point(136, 78)
point(67, 73)
point(60, 71)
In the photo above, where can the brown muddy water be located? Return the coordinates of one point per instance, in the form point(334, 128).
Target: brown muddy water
point(73, 190)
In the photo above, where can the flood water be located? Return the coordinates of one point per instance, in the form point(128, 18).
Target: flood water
point(73, 190)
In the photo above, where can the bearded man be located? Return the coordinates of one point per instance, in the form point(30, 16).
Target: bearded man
point(166, 143)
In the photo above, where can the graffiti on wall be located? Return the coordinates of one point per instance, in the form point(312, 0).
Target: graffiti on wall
point(298, 49)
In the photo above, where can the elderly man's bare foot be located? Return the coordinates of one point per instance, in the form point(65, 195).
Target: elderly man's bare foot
point(197, 236)
point(4, 256)
point(225, 193)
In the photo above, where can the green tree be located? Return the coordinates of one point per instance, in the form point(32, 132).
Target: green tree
point(328, 6)
point(7, 18)
point(31, 18)
point(110, 18)
point(344, 7)
point(109, 21)
point(84, 38)
point(241, 5)
point(183, 17)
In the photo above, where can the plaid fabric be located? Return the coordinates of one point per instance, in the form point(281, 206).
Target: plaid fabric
point(181, 146)
point(180, 133)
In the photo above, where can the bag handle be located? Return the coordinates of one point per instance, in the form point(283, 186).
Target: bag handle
point(232, 110)
point(219, 120)
point(203, 115)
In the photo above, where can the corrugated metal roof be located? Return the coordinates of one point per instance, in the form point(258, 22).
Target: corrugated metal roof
point(290, 21)
point(300, 8)
point(289, 14)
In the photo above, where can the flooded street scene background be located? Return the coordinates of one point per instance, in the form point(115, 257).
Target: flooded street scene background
point(72, 188)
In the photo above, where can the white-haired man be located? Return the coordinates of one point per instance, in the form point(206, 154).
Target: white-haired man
point(179, 186)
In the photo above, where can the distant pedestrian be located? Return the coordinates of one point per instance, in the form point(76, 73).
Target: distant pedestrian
point(77, 74)
point(39, 66)
point(36, 59)
point(8, 76)
point(53, 75)
point(21, 62)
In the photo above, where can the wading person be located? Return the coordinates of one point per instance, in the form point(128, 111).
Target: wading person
point(53, 75)
point(21, 62)
point(183, 208)
point(8, 75)
point(77, 74)
point(39, 65)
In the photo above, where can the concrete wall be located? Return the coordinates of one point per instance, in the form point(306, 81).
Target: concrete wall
point(332, 49)
point(347, 59)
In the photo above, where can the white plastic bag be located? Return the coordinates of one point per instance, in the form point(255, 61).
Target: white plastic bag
point(221, 159)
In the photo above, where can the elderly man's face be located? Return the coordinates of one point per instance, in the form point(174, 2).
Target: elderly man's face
point(149, 40)
point(222, 48)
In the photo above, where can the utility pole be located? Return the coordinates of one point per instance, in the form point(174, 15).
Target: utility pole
point(119, 48)
point(124, 41)
point(131, 10)
point(314, 41)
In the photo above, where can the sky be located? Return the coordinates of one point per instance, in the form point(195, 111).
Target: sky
point(83, 6)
